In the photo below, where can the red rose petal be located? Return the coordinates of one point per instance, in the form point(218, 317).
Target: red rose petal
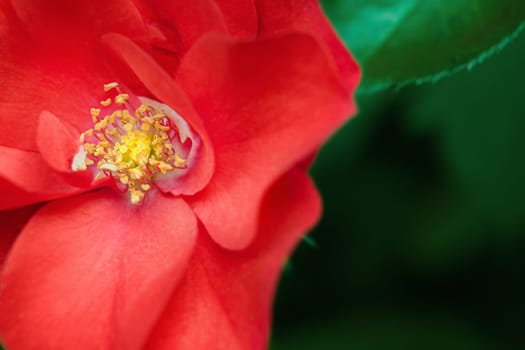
point(240, 17)
point(81, 20)
point(285, 16)
point(94, 272)
point(32, 81)
point(14, 197)
point(25, 178)
point(11, 223)
point(57, 142)
point(266, 106)
point(225, 299)
point(188, 19)
point(57, 67)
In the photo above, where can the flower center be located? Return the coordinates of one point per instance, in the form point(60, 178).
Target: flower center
point(132, 145)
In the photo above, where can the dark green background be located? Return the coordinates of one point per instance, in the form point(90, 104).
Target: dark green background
point(422, 242)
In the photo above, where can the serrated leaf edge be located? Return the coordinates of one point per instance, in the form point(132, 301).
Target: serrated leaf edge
point(435, 77)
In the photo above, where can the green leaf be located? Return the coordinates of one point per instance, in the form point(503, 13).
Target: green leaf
point(481, 124)
point(413, 41)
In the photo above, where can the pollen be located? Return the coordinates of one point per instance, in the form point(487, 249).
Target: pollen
point(131, 145)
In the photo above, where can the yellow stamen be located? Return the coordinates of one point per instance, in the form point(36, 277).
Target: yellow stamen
point(106, 102)
point(95, 112)
point(109, 86)
point(131, 146)
point(124, 179)
point(179, 162)
point(121, 99)
point(136, 196)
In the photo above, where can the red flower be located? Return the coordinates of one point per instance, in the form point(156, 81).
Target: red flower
point(157, 213)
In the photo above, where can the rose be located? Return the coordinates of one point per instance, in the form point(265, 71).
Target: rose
point(186, 259)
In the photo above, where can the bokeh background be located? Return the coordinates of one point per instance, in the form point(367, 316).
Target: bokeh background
point(422, 242)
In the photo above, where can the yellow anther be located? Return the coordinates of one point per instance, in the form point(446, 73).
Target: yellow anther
point(132, 146)
point(179, 162)
point(141, 110)
point(135, 173)
point(164, 167)
point(122, 165)
point(95, 112)
point(99, 151)
point(156, 140)
point(159, 126)
point(109, 86)
point(101, 124)
point(101, 137)
point(115, 115)
point(136, 196)
point(126, 117)
point(121, 99)
point(124, 179)
point(158, 150)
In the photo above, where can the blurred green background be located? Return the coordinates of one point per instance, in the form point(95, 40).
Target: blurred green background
point(422, 242)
